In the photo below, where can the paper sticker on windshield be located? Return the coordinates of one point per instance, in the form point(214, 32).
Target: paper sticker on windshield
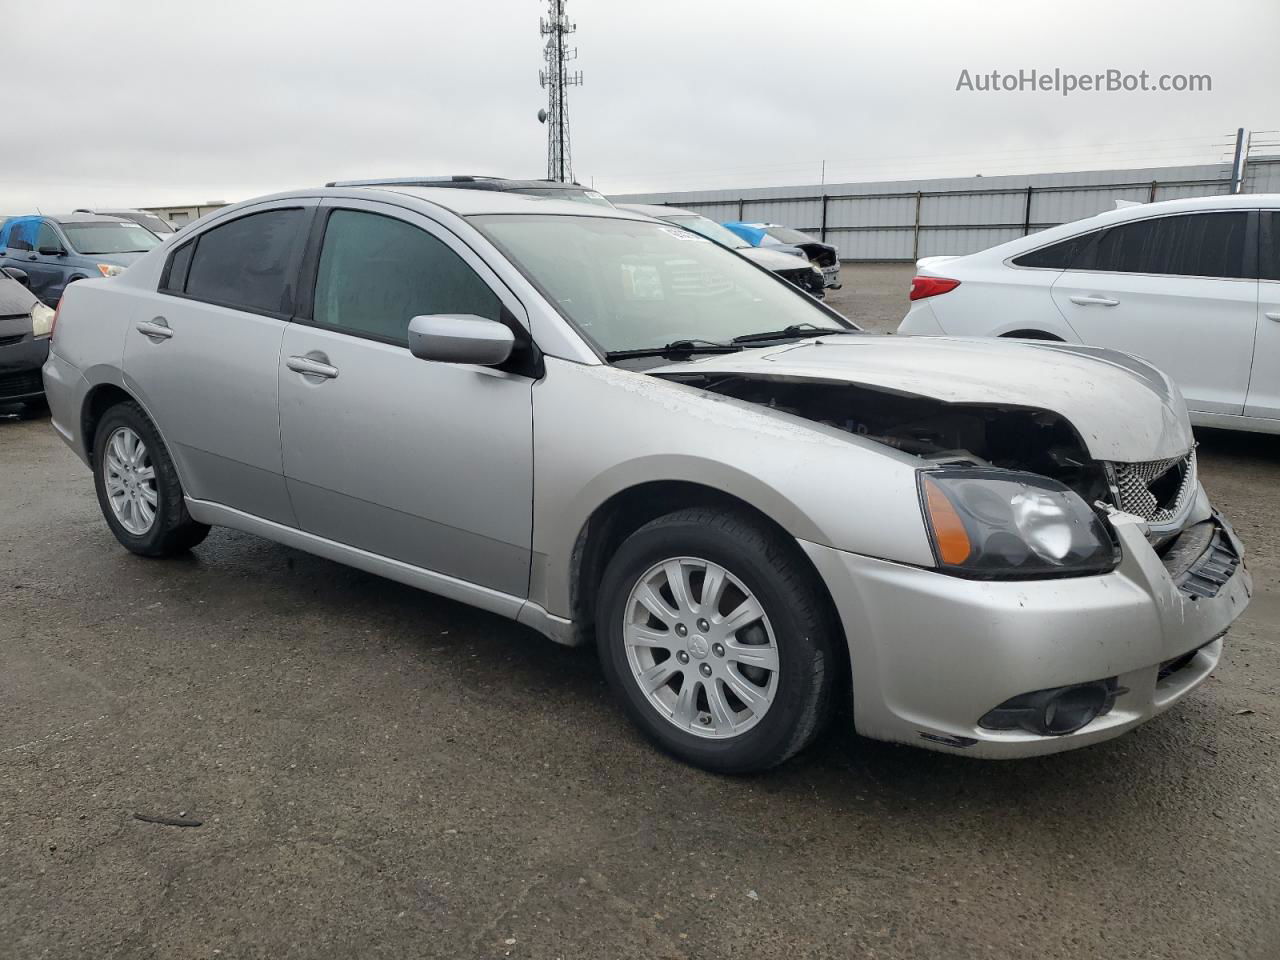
point(685, 235)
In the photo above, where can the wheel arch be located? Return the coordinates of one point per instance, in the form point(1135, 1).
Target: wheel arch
point(97, 402)
point(627, 510)
point(1030, 334)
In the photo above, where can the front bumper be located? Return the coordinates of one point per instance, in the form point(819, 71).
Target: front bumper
point(932, 653)
point(20, 365)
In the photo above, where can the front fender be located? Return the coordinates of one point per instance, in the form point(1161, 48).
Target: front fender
point(600, 431)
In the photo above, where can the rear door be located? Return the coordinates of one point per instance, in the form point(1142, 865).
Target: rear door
point(1179, 291)
point(202, 355)
point(1264, 384)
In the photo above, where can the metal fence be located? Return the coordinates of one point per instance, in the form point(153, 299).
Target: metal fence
point(906, 220)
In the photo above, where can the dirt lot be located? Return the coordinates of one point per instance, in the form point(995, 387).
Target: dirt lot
point(384, 774)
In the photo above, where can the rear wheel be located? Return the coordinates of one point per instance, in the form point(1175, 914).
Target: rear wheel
point(138, 488)
point(717, 640)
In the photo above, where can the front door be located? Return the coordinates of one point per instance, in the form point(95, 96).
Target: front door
point(47, 271)
point(1179, 291)
point(202, 355)
point(427, 463)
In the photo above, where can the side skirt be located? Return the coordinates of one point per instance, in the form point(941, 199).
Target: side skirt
point(521, 610)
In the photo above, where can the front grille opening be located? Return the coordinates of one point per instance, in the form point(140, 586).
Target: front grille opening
point(1157, 490)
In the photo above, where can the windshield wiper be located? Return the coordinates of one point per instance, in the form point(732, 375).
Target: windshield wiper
point(795, 330)
point(675, 349)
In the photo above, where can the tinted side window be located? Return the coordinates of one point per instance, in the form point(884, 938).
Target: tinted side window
point(247, 263)
point(47, 238)
point(1191, 245)
point(20, 235)
point(1269, 251)
point(377, 273)
point(1058, 256)
point(175, 274)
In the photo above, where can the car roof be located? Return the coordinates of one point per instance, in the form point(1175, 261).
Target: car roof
point(466, 203)
point(465, 181)
point(658, 210)
point(83, 218)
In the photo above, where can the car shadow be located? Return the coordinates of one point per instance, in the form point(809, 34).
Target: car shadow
point(19, 412)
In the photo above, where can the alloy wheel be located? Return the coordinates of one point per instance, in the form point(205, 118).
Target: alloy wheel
point(700, 647)
point(130, 479)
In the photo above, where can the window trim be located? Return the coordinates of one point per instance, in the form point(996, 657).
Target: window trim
point(1251, 261)
point(1268, 242)
point(308, 209)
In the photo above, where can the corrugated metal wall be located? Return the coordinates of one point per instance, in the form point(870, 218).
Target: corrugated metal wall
point(908, 219)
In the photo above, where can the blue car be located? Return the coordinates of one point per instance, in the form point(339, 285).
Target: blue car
point(824, 256)
point(54, 251)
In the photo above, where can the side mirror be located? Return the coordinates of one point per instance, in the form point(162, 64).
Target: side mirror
point(16, 274)
point(52, 252)
point(460, 338)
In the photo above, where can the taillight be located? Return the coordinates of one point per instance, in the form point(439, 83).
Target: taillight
point(922, 287)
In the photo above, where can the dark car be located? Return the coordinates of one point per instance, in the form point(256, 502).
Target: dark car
point(25, 326)
point(533, 188)
point(793, 267)
point(55, 251)
point(824, 255)
point(156, 224)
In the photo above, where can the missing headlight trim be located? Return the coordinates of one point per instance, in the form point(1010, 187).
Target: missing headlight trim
point(1015, 438)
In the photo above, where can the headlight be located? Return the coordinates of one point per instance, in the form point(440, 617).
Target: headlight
point(110, 269)
point(41, 320)
point(988, 524)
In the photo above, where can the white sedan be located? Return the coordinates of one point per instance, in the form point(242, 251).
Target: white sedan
point(1191, 285)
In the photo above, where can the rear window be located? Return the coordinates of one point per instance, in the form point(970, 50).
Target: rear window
point(247, 263)
point(106, 238)
point(787, 235)
point(1057, 256)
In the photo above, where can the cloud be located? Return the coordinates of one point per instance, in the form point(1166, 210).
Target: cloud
point(167, 102)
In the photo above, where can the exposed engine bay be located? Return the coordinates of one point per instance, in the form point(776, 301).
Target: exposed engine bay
point(1014, 438)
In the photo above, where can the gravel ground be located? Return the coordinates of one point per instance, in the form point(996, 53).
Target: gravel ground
point(381, 773)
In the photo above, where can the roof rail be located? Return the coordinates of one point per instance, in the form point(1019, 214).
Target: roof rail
point(409, 181)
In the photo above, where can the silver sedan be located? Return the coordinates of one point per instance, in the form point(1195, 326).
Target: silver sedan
point(615, 431)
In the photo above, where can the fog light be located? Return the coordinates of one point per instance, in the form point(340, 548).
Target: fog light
point(1056, 711)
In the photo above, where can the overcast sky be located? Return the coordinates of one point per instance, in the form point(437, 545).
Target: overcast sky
point(149, 102)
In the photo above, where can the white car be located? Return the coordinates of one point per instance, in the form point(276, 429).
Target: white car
point(1192, 285)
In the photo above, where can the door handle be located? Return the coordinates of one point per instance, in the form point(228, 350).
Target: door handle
point(312, 367)
point(1099, 301)
point(156, 330)
point(1273, 315)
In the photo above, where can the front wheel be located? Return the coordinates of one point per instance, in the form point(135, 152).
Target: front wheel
point(138, 488)
point(718, 641)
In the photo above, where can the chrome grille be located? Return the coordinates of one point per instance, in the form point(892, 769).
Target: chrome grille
point(1147, 490)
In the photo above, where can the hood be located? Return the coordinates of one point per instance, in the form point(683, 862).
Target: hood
point(119, 259)
point(1123, 409)
point(15, 299)
point(775, 259)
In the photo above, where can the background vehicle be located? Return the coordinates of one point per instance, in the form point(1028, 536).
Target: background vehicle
point(157, 225)
point(602, 448)
point(25, 324)
point(825, 255)
point(532, 188)
point(1191, 285)
point(805, 275)
point(55, 251)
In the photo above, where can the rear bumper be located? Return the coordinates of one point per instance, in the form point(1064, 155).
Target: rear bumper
point(65, 390)
point(20, 365)
point(932, 654)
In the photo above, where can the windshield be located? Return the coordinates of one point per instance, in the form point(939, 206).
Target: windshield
point(581, 196)
point(710, 229)
point(787, 235)
point(632, 284)
point(103, 238)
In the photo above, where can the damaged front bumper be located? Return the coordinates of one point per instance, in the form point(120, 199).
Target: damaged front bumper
point(933, 655)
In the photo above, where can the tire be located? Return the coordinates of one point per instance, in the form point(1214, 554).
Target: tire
point(795, 636)
point(170, 530)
